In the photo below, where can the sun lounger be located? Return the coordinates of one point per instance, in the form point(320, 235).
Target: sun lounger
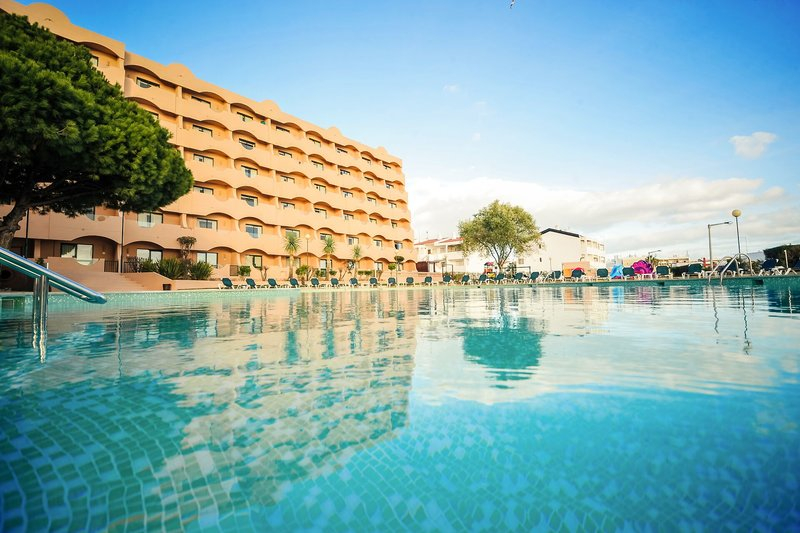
point(373, 282)
point(391, 282)
point(628, 273)
point(695, 269)
point(293, 283)
point(428, 280)
point(253, 285)
point(226, 283)
point(409, 280)
point(354, 282)
point(534, 277)
point(770, 268)
point(663, 271)
point(334, 283)
point(447, 280)
point(602, 274)
point(314, 283)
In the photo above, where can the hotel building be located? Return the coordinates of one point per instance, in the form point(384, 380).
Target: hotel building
point(259, 174)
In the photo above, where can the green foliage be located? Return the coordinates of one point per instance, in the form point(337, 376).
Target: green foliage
point(146, 265)
point(302, 272)
point(172, 268)
point(392, 266)
point(200, 270)
point(243, 270)
point(497, 230)
point(69, 140)
point(291, 244)
point(186, 243)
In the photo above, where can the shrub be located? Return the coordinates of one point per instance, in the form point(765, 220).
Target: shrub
point(244, 270)
point(147, 265)
point(302, 271)
point(172, 268)
point(392, 266)
point(200, 270)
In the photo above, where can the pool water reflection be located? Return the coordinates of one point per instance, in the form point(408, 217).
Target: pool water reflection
point(444, 409)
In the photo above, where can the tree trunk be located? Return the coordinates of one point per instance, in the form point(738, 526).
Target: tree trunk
point(10, 224)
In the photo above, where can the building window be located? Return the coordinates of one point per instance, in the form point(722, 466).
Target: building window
point(372, 200)
point(287, 205)
point(320, 188)
point(373, 221)
point(399, 246)
point(377, 243)
point(247, 145)
point(256, 261)
point(89, 213)
point(253, 230)
point(347, 194)
point(203, 159)
point(201, 129)
point(153, 255)
point(352, 241)
point(370, 180)
point(386, 167)
point(95, 61)
point(348, 216)
point(316, 142)
point(81, 252)
point(294, 232)
point(318, 164)
point(201, 100)
point(146, 84)
point(252, 201)
point(394, 224)
point(284, 153)
point(389, 186)
point(323, 264)
point(287, 179)
point(250, 171)
point(322, 212)
point(203, 190)
point(378, 266)
point(367, 160)
point(148, 220)
point(208, 257)
point(281, 128)
point(344, 172)
point(341, 150)
point(206, 223)
point(324, 236)
point(244, 117)
point(392, 205)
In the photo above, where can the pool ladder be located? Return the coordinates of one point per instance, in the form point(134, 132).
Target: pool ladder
point(43, 279)
point(733, 261)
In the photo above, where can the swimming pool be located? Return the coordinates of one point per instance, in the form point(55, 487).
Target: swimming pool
point(500, 408)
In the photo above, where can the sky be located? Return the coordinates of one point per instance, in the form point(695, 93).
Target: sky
point(636, 123)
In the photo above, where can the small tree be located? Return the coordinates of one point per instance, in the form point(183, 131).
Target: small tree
point(69, 140)
point(186, 243)
point(498, 230)
point(398, 259)
point(328, 249)
point(357, 254)
point(291, 244)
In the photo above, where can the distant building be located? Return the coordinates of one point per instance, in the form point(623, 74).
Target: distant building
point(446, 255)
point(563, 249)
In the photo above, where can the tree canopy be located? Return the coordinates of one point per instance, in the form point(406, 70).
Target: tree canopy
point(498, 230)
point(69, 140)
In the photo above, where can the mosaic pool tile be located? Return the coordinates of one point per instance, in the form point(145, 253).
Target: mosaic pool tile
point(509, 408)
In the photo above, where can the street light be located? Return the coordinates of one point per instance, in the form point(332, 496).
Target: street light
point(711, 257)
point(736, 214)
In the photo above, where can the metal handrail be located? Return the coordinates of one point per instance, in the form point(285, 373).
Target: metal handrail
point(54, 279)
point(735, 261)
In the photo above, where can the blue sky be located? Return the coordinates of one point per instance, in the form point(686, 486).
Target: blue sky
point(631, 122)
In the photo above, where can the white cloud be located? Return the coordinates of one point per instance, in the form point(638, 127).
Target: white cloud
point(669, 215)
point(452, 88)
point(476, 137)
point(752, 146)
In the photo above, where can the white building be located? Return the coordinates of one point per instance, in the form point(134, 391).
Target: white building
point(563, 249)
point(446, 255)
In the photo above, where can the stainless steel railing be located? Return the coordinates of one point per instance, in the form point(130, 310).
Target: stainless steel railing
point(43, 280)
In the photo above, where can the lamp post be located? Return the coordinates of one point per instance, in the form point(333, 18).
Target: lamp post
point(308, 236)
point(736, 214)
point(710, 256)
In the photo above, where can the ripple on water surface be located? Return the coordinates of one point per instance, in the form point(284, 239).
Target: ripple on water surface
point(426, 409)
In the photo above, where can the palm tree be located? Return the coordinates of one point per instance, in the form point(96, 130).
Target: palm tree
point(291, 244)
point(356, 256)
point(328, 249)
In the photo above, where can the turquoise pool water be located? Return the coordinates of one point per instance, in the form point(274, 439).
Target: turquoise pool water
point(573, 408)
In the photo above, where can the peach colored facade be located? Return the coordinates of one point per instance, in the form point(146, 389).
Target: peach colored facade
point(259, 173)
